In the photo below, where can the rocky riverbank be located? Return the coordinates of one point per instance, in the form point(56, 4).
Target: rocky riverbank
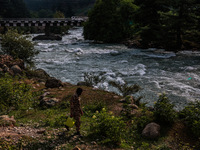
point(41, 126)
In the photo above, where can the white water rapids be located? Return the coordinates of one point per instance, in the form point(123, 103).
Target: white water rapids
point(178, 75)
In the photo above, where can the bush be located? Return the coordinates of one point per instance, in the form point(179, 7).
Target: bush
point(15, 95)
point(163, 110)
point(191, 116)
point(60, 121)
point(125, 89)
point(108, 128)
point(18, 46)
point(92, 79)
point(92, 108)
point(144, 117)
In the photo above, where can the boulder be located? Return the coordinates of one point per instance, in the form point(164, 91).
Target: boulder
point(16, 69)
point(7, 70)
point(9, 61)
point(48, 102)
point(50, 37)
point(40, 74)
point(53, 83)
point(5, 120)
point(151, 131)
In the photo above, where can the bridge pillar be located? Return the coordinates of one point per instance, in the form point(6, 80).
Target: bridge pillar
point(47, 30)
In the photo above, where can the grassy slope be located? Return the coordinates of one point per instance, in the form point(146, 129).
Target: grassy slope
point(174, 137)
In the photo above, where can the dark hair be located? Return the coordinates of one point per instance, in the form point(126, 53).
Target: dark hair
point(79, 91)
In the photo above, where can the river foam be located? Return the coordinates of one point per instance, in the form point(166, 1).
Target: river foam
point(156, 71)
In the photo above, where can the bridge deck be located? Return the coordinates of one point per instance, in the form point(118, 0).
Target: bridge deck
point(41, 21)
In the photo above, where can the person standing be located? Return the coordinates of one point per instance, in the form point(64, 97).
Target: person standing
point(75, 109)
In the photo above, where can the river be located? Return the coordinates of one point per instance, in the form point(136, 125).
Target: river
point(178, 75)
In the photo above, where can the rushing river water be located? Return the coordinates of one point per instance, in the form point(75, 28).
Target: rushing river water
point(178, 75)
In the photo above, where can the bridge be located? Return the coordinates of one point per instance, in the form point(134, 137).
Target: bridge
point(28, 22)
point(43, 22)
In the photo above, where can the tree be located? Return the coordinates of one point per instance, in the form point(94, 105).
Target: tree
point(44, 13)
point(18, 46)
point(108, 21)
point(58, 14)
point(147, 18)
point(15, 9)
point(180, 23)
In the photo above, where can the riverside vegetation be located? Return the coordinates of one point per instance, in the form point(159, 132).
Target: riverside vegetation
point(171, 25)
point(110, 121)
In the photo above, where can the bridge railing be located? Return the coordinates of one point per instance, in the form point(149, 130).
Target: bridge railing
point(74, 18)
point(35, 19)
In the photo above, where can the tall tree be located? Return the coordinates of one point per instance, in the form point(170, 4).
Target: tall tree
point(108, 21)
point(14, 9)
point(181, 24)
point(148, 21)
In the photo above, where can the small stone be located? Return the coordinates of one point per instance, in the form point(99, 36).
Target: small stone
point(76, 148)
point(116, 97)
point(122, 100)
point(94, 143)
point(41, 131)
point(133, 106)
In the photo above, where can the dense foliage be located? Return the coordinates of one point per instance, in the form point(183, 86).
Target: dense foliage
point(18, 46)
point(172, 25)
point(108, 127)
point(13, 9)
point(68, 7)
point(15, 95)
point(191, 116)
point(110, 20)
point(163, 110)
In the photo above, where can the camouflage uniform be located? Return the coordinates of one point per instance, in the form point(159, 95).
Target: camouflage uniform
point(76, 110)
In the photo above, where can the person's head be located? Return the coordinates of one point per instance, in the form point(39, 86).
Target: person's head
point(79, 91)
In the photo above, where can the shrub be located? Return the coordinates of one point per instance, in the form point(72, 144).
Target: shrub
point(92, 108)
point(60, 121)
point(92, 79)
point(191, 116)
point(108, 128)
point(163, 110)
point(18, 46)
point(15, 95)
point(125, 89)
point(144, 117)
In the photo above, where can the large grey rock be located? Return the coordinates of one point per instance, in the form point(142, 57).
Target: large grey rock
point(16, 69)
point(5, 120)
point(53, 83)
point(50, 37)
point(151, 131)
point(39, 74)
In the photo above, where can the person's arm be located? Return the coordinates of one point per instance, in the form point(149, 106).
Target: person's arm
point(79, 107)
